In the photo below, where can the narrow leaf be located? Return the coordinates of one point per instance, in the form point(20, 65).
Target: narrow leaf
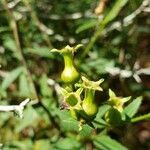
point(133, 107)
point(102, 110)
point(24, 87)
point(86, 25)
point(104, 142)
point(11, 77)
point(115, 10)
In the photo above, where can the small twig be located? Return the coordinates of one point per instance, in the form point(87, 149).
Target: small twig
point(74, 16)
point(18, 109)
point(56, 86)
point(89, 145)
point(128, 73)
point(11, 5)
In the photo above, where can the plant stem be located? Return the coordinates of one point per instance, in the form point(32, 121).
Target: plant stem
point(139, 118)
point(93, 40)
point(109, 17)
point(44, 29)
point(14, 27)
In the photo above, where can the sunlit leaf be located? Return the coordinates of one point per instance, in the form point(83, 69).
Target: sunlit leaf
point(133, 107)
point(11, 77)
point(104, 142)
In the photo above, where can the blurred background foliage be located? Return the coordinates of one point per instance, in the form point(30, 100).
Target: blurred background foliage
point(116, 49)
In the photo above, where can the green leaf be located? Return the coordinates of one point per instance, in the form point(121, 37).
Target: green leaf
point(4, 116)
point(100, 123)
point(86, 25)
point(133, 107)
point(44, 88)
point(114, 11)
point(9, 43)
point(11, 77)
point(24, 86)
point(18, 145)
point(42, 145)
point(30, 119)
point(4, 29)
point(40, 51)
point(68, 144)
point(100, 65)
point(67, 122)
point(104, 142)
point(86, 131)
point(102, 110)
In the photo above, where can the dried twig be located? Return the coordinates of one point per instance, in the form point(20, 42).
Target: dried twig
point(128, 73)
point(56, 86)
point(11, 5)
point(18, 109)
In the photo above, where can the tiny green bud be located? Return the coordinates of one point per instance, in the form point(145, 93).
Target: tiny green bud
point(117, 102)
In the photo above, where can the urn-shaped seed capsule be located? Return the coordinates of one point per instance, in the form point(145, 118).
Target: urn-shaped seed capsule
point(69, 74)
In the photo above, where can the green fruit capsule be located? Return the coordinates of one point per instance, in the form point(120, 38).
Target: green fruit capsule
point(69, 74)
point(89, 106)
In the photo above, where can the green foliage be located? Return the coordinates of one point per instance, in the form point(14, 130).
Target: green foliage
point(133, 107)
point(11, 77)
point(67, 144)
point(62, 119)
point(106, 143)
point(114, 11)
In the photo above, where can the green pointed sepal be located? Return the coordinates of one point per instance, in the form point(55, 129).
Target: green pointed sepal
point(117, 102)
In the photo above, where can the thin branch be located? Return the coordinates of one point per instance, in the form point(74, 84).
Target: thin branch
point(11, 5)
point(74, 16)
point(18, 109)
point(128, 73)
point(14, 27)
point(56, 86)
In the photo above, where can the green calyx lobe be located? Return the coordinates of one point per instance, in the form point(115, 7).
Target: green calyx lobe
point(69, 74)
point(89, 106)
